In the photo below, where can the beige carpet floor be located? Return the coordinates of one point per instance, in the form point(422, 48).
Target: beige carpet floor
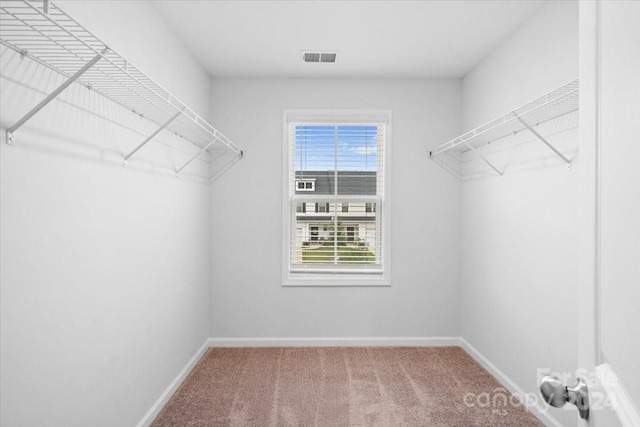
point(341, 386)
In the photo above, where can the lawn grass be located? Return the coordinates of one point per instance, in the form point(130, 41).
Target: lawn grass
point(346, 254)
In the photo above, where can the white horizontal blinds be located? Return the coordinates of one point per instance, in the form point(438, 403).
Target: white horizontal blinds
point(326, 238)
point(336, 189)
point(338, 159)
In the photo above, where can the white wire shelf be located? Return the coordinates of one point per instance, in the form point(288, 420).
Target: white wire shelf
point(40, 30)
point(551, 106)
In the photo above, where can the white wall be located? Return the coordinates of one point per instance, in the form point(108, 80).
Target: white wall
point(619, 193)
point(247, 299)
point(519, 233)
point(104, 270)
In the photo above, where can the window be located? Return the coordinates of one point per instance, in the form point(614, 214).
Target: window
point(322, 207)
point(313, 235)
point(351, 233)
point(343, 156)
point(305, 185)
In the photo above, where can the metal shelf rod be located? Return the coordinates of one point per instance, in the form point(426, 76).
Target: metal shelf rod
point(52, 95)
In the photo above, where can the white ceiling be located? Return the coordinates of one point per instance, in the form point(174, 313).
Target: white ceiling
point(407, 39)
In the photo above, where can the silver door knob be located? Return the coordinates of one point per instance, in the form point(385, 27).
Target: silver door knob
point(556, 394)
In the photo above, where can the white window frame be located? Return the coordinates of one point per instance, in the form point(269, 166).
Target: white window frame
point(296, 278)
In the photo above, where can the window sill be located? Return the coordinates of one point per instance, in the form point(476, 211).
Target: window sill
point(335, 280)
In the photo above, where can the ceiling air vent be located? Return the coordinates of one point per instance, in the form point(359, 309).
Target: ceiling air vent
point(308, 56)
point(327, 57)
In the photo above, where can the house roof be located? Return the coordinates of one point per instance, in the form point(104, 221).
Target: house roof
point(361, 183)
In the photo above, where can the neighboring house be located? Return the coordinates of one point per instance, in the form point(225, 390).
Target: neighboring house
point(316, 219)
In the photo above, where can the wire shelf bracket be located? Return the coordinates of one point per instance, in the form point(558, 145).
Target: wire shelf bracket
point(41, 31)
point(472, 148)
point(193, 158)
point(142, 144)
point(52, 95)
point(553, 105)
point(543, 139)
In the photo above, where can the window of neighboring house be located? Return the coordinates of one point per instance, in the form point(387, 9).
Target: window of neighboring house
point(313, 233)
point(322, 207)
point(305, 185)
point(351, 233)
point(343, 155)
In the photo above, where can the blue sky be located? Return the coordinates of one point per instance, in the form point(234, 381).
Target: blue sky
point(316, 147)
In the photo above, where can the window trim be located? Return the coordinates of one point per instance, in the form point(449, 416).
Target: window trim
point(336, 279)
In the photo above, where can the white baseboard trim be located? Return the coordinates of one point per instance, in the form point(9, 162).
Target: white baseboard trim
point(536, 409)
point(157, 406)
point(627, 412)
point(335, 342)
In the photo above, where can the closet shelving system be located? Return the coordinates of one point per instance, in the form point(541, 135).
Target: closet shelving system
point(40, 30)
point(551, 106)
